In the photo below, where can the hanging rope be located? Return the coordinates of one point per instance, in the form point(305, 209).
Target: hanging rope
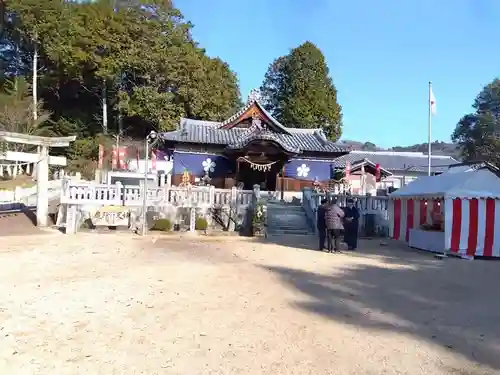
point(258, 167)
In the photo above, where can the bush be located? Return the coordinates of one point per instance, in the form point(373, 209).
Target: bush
point(163, 225)
point(259, 214)
point(201, 223)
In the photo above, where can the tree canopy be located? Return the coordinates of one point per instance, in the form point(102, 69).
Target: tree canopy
point(299, 92)
point(478, 133)
point(138, 55)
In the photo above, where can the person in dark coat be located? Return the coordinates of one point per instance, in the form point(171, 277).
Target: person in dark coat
point(321, 224)
point(351, 223)
point(333, 218)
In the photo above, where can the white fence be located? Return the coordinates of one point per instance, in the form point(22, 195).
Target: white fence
point(85, 193)
point(16, 195)
point(20, 194)
point(378, 206)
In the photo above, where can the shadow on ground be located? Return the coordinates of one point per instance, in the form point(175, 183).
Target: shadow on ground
point(391, 251)
point(452, 303)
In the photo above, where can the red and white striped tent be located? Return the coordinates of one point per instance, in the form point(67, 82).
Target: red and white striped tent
point(469, 200)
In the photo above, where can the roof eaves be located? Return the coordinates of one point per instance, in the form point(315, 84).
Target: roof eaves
point(245, 141)
point(275, 122)
point(236, 115)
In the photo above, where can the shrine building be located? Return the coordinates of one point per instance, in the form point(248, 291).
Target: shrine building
point(251, 147)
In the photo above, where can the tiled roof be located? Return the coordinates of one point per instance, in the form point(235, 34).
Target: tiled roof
point(209, 132)
point(397, 161)
point(267, 135)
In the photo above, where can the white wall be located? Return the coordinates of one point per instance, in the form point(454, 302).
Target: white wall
point(398, 180)
point(161, 165)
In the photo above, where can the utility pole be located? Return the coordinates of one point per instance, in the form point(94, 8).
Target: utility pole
point(104, 102)
point(35, 79)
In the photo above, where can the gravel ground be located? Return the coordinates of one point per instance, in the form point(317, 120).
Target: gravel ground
point(17, 224)
point(119, 304)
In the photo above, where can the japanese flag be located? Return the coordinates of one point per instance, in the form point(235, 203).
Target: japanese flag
point(432, 101)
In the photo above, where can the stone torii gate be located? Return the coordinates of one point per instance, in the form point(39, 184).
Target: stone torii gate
point(42, 171)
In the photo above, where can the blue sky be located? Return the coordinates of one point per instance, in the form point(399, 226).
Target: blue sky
point(381, 54)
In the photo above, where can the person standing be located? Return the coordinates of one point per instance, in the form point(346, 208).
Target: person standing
point(321, 224)
point(351, 225)
point(333, 219)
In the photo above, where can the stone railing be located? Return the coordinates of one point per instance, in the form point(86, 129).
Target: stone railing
point(19, 194)
point(377, 206)
point(16, 195)
point(88, 193)
point(207, 196)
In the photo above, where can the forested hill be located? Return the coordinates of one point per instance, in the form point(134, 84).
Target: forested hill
point(438, 148)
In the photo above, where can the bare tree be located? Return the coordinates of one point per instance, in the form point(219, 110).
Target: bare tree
point(17, 112)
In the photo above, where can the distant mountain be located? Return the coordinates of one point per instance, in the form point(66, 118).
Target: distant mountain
point(438, 148)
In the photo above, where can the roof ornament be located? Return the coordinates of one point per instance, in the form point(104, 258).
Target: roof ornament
point(254, 96)
point(256, 122)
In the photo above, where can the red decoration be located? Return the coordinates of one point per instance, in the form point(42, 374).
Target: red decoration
point(347, 170)
point(114, 158)
point(118, 160)
point(101, 156)
point(377, 172)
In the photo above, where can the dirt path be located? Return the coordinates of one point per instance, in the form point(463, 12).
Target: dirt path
point(117, 304)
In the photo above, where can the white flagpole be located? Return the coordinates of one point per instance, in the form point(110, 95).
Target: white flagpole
point(429, 129)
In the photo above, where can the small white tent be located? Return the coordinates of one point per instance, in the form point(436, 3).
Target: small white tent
point(467, 199)
point(481, 183)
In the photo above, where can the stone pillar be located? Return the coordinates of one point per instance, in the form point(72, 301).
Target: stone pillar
point(211, 195)
point(118, 196)
point(234, 208)
point(256, 194)
point(71, 219)
point(42, 200)
point(192, 219)
point(162, 179)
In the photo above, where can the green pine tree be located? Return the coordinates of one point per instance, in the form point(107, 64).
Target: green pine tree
point(478, 134)
point(299, 92)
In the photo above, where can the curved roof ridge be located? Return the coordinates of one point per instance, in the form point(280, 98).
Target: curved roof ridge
point(302, 130)
point(190, 121)
point(264, 135)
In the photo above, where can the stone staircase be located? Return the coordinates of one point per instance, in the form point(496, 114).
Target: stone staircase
point(287, 219)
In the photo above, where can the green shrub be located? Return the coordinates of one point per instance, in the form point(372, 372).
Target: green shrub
point(259, 214)
point(163, 225)
point(201, 223)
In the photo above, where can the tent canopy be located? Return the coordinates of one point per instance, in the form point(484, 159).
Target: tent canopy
point(481, 183)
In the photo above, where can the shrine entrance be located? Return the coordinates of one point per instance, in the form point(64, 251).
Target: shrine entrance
point(259, 162)
point(263, 174)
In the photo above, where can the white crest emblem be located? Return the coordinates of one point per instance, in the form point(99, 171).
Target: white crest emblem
point(208, 165)
point(303, 171)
